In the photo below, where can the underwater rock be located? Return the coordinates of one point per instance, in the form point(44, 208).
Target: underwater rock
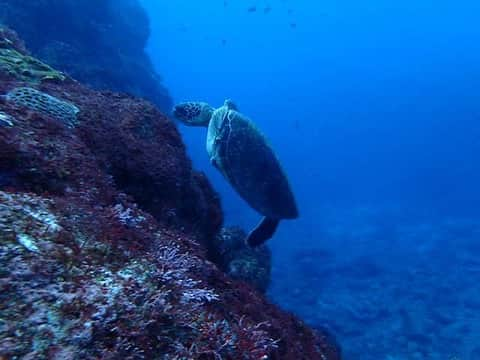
point(26, 68)
point(100, 43)
point(241, 262)
point(10, 40)
point(102, 242)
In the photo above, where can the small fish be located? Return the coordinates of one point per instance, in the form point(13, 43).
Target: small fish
point(293, 25)
point(224, 42)
point(225, 3)
point(267, 9)
point(296, 124)
point(290, 11)
point(252, 9)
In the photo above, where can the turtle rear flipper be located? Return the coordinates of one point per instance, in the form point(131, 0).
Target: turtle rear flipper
point(262, 232)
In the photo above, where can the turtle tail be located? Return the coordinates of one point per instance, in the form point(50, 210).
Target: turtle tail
point(262, 232)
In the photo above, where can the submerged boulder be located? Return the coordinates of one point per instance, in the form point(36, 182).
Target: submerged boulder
point(104, 232)
point(242, 262)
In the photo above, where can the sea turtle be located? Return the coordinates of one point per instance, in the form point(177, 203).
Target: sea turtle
point(242, 154)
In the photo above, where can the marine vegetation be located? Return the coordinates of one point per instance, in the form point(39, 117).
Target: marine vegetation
point(20, 65)
point(26, 68)
point(100, 43)
point(104, 237)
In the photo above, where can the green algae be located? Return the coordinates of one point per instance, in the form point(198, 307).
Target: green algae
point(26, 68)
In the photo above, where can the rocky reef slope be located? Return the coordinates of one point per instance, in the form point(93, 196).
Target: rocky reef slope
point(410, 277)
point(100, 43)
point(105, 232)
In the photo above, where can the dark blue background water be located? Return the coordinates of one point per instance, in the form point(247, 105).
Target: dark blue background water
point(374, 110)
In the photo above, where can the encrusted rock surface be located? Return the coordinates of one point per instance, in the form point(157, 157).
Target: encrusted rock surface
point(242, 262)
point(104, 236)
point(100, 43)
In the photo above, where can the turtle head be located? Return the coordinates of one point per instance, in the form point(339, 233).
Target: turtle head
point(193, 113)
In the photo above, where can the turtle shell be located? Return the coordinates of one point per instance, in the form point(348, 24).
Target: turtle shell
point(250, 165)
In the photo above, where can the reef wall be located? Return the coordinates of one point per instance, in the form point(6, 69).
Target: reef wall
point(100, 43)
point(104, 234)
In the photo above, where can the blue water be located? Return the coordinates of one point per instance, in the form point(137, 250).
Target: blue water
point(374, 110)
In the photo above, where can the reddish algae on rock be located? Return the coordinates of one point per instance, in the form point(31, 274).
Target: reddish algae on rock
point(104, 236)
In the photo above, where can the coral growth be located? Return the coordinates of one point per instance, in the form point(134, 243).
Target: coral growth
point(104, 234)
point(44, 104)
point(100, 43)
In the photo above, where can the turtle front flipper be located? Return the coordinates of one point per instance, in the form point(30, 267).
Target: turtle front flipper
point(262, 232)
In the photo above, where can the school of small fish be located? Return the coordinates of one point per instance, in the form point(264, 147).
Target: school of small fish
point(265, 9)
point(254, 8)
